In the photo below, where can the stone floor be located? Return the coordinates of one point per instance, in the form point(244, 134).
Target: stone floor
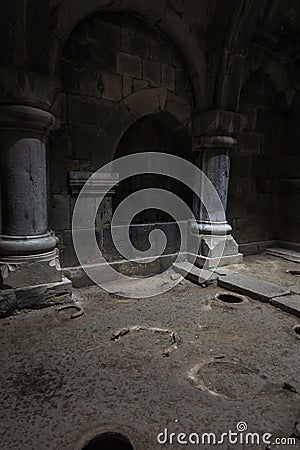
point(184, 361)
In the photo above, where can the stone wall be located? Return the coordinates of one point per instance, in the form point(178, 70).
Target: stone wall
point(252, 202)
point(107, 59)
point(289, 182)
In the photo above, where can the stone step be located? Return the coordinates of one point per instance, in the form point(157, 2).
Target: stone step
point(285, 253)
point(288, 303)
point(258, 289)
point(195, 274)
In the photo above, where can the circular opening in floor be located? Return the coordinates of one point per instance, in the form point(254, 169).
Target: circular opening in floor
point(297, 330)
point(109, 441)
point(294, 272)
point(230, 298)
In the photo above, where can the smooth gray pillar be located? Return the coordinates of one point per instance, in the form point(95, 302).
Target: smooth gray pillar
point(23, 133)
point(215, 136)
point(215, 164)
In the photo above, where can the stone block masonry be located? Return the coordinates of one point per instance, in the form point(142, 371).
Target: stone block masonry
point(106, 60)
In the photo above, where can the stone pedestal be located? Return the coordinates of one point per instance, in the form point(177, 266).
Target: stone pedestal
point(98, 186)
point(28, 254)
point(215, 136)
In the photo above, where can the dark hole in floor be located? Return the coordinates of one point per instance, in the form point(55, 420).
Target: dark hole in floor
point(297, 330)
point(294, 272)
point(229, 298)
point(109, 441)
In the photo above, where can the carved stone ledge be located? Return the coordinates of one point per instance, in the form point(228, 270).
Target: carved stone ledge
point(98, 185)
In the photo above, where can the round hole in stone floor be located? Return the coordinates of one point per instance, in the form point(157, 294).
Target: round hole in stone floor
point(230, 298)
point(294, 272)
point(228, 379)
point(297, 330)
point(109, 441)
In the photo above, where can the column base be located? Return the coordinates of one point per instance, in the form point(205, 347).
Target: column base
point(216, 250)
point(35, 297)
point(23, 271)
point(212, 263)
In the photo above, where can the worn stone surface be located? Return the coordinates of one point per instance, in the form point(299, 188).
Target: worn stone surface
point(130, 64)
point(35, 297)
point(290, 255)
point(256, 288)
point(194, 273)
point(288, 303)
point(47, 359)
point(30, 273)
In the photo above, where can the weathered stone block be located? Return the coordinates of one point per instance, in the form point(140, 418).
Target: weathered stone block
point(90, 84)
point(235, 206)
point(268, 122)
point(60, 108)
point(85, 142)
point(218, 122)
point(127, 85)
point(87, 111)
point(241, 165)
point(270, 145)
point(118, 125)
point(234, 186)
point(161, 52)
point(152, 72)
point(250, 119)
point(134, 43)
point(68, 255)
point(260, 185)
point(253, 287)
point(60, 159)
point(140, 84)
point(130, 64)
point(29, 274)
point(70, 77)
point(253, 229)
point(287, 185)
point(140, 106)
point(247, 186)
point(168, 77)
point(179, 108)
point(8, 302)
point(263, 166)
point(251, 143)
point(218, 246)
point(290, 167)
point(252, 98)
point(99, 31)
point(288, 303)
point(59, 215)
point(291, 125)
point(181, 82)
point(43, 295)
point(250, 202)
point(112, 86)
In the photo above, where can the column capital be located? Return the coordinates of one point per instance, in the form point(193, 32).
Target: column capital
point(23, 87)
point(216, 129)
point(26, 118)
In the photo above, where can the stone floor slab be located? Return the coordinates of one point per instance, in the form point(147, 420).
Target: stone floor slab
point(290, 255)
point(195, 274)
point(289, 303)
point(258, 289)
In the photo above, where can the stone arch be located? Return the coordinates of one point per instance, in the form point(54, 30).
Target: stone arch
point(232, 37)
point(158, 14)
point(272, 69)
point(137, 105)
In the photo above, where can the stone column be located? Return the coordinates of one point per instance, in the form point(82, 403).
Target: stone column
point(28, 255)
point(215, 136)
